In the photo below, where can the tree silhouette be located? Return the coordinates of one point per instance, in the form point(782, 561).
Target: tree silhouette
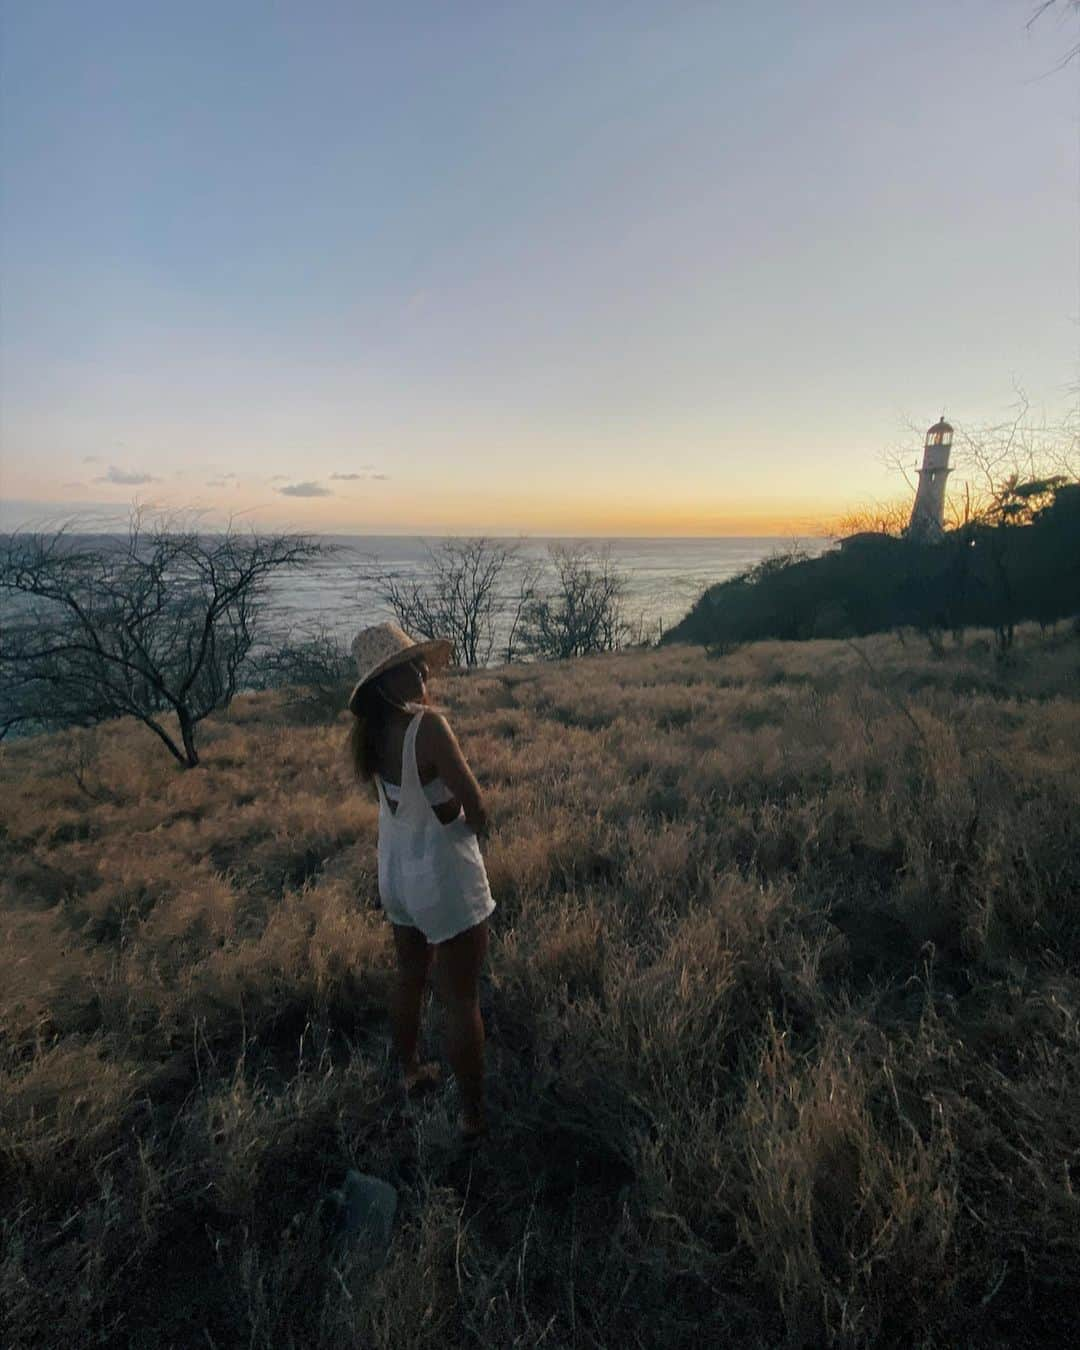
point(160, 621)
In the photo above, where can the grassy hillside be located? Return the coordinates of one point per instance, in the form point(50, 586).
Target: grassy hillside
point(783, 1014)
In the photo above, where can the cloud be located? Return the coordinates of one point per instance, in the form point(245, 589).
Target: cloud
point(382, 477)
point(91, 459)
point(78, 485)
point(304, 490)
point(126, 477)
point(217, 482)
point(367, 473)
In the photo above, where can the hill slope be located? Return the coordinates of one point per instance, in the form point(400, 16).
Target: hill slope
point(783, 1007)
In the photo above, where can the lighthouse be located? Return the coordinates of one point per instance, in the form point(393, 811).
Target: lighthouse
point(928, 514)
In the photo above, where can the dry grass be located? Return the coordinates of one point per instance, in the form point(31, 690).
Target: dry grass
point(783, 1005)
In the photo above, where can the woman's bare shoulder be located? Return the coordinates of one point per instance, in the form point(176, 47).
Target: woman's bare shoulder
point(434, 730)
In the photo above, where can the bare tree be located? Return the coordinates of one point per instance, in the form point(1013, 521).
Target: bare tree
point(889, 518)
point(985, 456)
point(582, 611)
point(528, 574)
point(79, 757)
point(1009, 472)
point(460, 593)
point(1011, 502)
point(159, 622)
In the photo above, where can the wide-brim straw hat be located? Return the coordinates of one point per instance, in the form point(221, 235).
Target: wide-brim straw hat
point(385, 645)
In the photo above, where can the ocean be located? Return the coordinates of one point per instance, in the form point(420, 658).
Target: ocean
point(333, 594)
point(663, 577)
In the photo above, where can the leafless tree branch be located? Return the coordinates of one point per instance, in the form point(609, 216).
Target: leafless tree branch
point(581, 611)
point(464, 591)
point(154, 624)
point(1062, 7)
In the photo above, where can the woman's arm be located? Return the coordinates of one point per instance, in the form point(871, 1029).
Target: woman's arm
point(444, 752)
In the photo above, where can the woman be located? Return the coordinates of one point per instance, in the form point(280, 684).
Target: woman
point(432, 881)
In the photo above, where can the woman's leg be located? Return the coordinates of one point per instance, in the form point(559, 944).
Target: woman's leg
point(414, 957)
point(457, 976)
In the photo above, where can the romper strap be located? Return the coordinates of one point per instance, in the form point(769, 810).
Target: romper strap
point(408, 751)
point(410, 770)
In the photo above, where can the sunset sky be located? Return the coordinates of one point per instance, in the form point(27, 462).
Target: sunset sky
point(602, 267)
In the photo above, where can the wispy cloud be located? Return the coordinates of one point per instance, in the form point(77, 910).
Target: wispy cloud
point(366, 473)
point(305, 490)
point(91, 459)
point(125, 477)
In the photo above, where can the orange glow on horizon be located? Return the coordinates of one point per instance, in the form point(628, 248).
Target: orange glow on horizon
point(408, 505)
point(542, 518)
point(394, 509)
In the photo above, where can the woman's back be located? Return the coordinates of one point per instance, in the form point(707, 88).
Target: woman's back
point(389, 748)
point(431, 872)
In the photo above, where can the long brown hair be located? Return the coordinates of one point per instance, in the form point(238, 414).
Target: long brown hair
point(371, 713)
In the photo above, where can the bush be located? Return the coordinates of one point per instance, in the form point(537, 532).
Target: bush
point(315, 667)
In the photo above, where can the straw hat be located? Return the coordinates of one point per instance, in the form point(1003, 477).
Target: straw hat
point(385, 645)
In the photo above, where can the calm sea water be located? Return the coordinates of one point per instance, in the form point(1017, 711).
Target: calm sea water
point(664, 576)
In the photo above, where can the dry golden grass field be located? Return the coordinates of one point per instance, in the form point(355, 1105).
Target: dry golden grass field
point(782, 1010)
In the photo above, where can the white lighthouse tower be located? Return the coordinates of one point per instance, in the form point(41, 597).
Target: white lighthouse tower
point(928, 514)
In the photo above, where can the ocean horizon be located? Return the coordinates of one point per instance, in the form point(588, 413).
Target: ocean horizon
point(664, 574)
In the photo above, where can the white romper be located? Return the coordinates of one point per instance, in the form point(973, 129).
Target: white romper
point(431, 875)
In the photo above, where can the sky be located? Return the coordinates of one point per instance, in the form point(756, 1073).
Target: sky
point(605, 267)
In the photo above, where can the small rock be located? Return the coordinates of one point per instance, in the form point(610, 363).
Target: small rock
point(366, 1208)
